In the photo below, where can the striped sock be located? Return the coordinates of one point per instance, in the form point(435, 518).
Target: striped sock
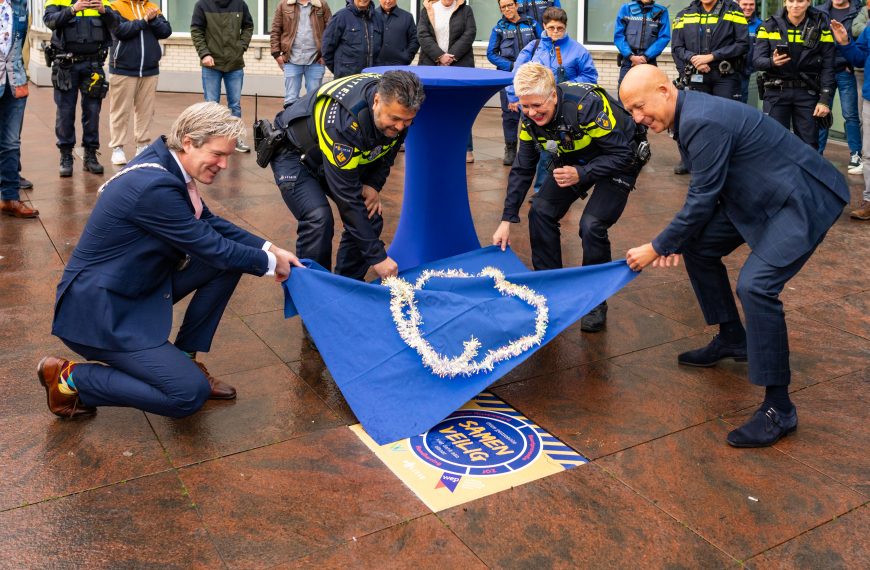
point(190, 355)
point(65, 383)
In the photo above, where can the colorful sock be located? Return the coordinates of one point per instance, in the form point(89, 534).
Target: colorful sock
point(732, 332)
point(65, 383)
point(777, 396)
point(190, 355)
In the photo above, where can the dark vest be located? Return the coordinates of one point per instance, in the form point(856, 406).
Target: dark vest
point(642, 26)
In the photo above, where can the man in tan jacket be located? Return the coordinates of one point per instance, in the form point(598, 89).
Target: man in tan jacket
point(296, 40)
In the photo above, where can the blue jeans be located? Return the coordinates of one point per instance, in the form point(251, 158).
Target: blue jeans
point(293, 80)
point(11, 117)
point(211, 87)
point(848, 88)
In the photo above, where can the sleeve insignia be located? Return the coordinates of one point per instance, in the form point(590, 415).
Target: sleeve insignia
point(354, 126)
point(342, 153)
point(603, 121)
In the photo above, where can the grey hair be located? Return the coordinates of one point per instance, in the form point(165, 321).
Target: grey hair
point(201, 122)
point(534, 79)
point(402, 87)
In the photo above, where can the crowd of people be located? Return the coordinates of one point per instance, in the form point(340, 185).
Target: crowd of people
point(565, 136)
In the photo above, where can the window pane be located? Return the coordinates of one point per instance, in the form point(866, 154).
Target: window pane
point(601, 19)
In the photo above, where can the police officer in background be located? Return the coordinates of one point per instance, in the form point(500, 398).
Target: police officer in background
point(709, 43)
point(509, 36)
point(594, 142)
point(641, 33)
point(534, 9)
point(795, 50)
point(753, 22)
point(80, 41)
point(340, 141)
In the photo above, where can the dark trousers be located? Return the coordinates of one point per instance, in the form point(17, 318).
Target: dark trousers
point(758, 288)
point(625, 66)
point(793, 108)
point(727, 86)
point(603, 209)
point(510, 120)
point(161, 380)
point(306, 195)
point(66, 101)
point(11, 119)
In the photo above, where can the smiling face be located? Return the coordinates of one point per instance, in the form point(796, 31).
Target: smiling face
point(538, 108)
point(391, 117)
point(204, 163)
point(796, 9)
point(747, 7)
point(649, 97)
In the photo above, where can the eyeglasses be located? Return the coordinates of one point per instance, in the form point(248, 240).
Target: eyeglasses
point(555, 29)
point(504, 7)
point(536, 107)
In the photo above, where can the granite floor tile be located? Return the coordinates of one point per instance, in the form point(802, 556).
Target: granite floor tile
point(27, 332)
point(236, 348)
point(420, 543)
point(591, 521)
point(28, 288)
point(256, 295)
point(850, 313)
point(146, 523)
point(283, 336)
point(45, 456)
point(558, 354)
point(841, 543)
point(272, 405)
point(744, 501)
point(288, 500)
point(823, 352)
point(313, 371)
point(675, 300)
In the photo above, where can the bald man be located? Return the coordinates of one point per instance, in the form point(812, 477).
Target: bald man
point(753, 182)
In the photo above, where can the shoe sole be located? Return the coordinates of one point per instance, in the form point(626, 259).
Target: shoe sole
point(20, 217)
point(756, 445)
point(692, 364)
point(864, 218)
point(65, 175)
point(117, 163)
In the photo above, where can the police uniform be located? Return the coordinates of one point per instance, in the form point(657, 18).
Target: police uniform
point(506, 42)
point(599, 138)
point(81, 42)
point(721, 32)
point(534, 9)
point(333, 148)
point(641, 29)
point(791, 91)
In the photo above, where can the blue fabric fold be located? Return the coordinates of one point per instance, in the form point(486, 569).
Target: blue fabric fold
point(383, 380)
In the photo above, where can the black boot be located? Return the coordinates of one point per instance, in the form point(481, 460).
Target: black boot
point(595, 319)
point(90, 161)
point(66, 162)
point(510, 153)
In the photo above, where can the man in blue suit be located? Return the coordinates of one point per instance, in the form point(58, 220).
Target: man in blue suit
point(752, 182)
point(151, 241)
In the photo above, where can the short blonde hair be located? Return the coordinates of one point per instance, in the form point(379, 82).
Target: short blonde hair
point(534, 79)
point(201, 122)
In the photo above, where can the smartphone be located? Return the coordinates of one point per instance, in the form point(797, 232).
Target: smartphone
point(782, 49)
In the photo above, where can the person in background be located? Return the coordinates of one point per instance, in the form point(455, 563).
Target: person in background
point(400, 35)
point(509, 36)
point(752, 24)
point(641, 33)
point(352, 39)
point(565, 57)
point(295, 42)
point(534, 9)
point(845, 12)
point(133, 68)
point(221, 31)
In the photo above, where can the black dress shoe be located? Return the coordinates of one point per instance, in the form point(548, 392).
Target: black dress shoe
point(767, 426)
point(681, 169)
point(595, 319)
point(712, 353)
point(24, 183)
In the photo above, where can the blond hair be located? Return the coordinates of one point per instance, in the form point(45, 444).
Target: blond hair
point(534, 79)
point(201, 122)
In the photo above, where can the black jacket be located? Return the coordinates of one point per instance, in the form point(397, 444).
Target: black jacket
point(135, 49)
point(400, 37)
point(728, 38)
point(352, 40)
point(462, 32)
point(84, 33)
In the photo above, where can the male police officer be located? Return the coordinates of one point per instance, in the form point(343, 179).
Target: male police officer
point(80, 41)
point(641, 33)
point(340, 142)
point(594, 142)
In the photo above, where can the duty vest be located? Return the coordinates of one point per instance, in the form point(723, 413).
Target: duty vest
point(642, 26)
point(514, 36)
point(85, 34)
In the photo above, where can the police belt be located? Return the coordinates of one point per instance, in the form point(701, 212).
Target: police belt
point(74, 58)
point(787, 83)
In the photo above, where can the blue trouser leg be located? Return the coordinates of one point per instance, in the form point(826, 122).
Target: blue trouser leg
point(349, 260)
point(161, 380)
point(541, 170)
point(212, 289)
point(793, 108)
point(848, 88)
point(91, 107)
point(306, 199)
point(233, 84)
point(11, 118)
point(603, 209)
point(65, 103)
point(510, 120)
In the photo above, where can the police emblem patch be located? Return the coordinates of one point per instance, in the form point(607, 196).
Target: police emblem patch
point(342, 153)
point(603, 121)
point(354, 126)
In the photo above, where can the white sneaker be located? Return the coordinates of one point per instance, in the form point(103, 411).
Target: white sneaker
point(856, 165)
point(139, 149)
point(118, 156)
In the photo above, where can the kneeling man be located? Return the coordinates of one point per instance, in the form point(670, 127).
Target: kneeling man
point(753, 182)
point(151, 241)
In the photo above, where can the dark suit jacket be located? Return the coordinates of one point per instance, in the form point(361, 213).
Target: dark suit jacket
point(779, 193)
point(116, 291)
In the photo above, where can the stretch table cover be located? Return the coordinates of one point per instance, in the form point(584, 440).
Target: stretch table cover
point(384, 381)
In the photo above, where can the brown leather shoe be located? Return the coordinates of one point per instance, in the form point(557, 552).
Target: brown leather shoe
point(863, 211)
point(17, 209)
point(219, 390)
point(60, 404)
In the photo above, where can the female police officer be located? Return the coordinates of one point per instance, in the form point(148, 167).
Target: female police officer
point(795, 50)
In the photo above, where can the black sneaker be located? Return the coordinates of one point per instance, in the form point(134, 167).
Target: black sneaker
point(90, 163)
point(767, 426)
point(709, 355)
point(594, 320)
point(66, 163)
point(681, 169)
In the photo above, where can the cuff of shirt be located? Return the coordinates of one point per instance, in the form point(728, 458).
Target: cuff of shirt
point(273, 261)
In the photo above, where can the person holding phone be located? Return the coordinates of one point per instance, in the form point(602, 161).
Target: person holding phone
point(795, 50)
